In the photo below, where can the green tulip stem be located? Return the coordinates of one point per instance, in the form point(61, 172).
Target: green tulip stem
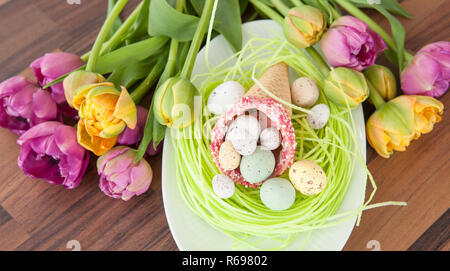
point(198, 39)
point(281, 6)
point(297, 3)
point(103, 34)
point(374, 96)
point(118, 35)
point(139, 93)
point(268, 11)
point(319, 61)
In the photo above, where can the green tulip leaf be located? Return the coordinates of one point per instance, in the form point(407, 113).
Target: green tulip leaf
point(398, 33)
point(390, 5)
point(130, 74)
point(164, 20)
point(140, 26)
point(130, 54)
point(227, 20)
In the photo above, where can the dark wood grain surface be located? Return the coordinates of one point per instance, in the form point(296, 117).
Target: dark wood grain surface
point(37, 216)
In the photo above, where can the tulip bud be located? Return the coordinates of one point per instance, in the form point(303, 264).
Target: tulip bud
point(78, 79)
point(304, 26)
point(121, 176)
point(382, 80)
point(174, 103)
point(344, 85)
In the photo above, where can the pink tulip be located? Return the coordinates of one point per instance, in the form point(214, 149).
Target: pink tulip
point(132, 137)
point(429, 71)
point(24, 105)
point(121, 177)
point(50, 151)
point(50, 67)
point(351, 43)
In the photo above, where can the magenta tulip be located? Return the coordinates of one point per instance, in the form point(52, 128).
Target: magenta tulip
point(50, 151)
point(429, 71)
point(50, 67)
point(132, 137)
point(121, 177)
point(24, 105)
point(351, 43)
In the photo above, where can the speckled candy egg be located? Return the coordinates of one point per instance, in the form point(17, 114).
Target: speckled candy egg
point(307, 177)
point(319, 116)
point(304, 92)
point(229, 158)
point(270, 138)
point(277, 194)
point(224, 96)
point(223, 186)
point(258, 166)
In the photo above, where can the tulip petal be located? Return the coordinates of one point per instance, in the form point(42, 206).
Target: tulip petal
point(378, 139)
point(41, 130)
point(141, 176)
point(81, 93)
point(95, 144)
point(54, 65)
point(13, 85)
point(43, 105)
point(113, 130)
point(420, 75)
point(126, 109)
point(111, 154)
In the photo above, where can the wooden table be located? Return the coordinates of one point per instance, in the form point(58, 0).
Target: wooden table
point(37, 216)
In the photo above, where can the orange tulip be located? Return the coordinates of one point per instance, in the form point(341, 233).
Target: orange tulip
point(396, 123)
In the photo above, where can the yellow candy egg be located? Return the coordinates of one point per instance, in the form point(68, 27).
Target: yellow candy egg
point(229, 158)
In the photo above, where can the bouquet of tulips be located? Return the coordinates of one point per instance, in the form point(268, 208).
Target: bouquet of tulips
point(88, 106)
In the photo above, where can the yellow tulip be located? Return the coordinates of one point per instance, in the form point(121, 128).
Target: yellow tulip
point(396, 123)
point(104, 113)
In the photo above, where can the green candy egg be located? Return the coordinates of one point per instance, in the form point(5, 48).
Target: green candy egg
point(257, 166)
point(277, 194)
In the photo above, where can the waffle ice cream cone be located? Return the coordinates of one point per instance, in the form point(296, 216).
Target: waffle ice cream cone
point(276, 80)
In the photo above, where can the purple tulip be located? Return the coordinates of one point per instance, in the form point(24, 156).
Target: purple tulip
point(50, 151)
point(51, 66)
point(132, 137)
point(24, 105)
point(429, 71)
point(351, 43)
point(121, 177)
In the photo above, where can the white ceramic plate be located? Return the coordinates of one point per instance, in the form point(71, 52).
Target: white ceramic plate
point(191, 232)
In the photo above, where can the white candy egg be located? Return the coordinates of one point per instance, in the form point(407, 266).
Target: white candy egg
point(223, 186)
point(243, 142)
point(247, 122)
point(277, 194)
point(319, 116)
point(305, 92)
point(224, 96)
point(270, 138)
